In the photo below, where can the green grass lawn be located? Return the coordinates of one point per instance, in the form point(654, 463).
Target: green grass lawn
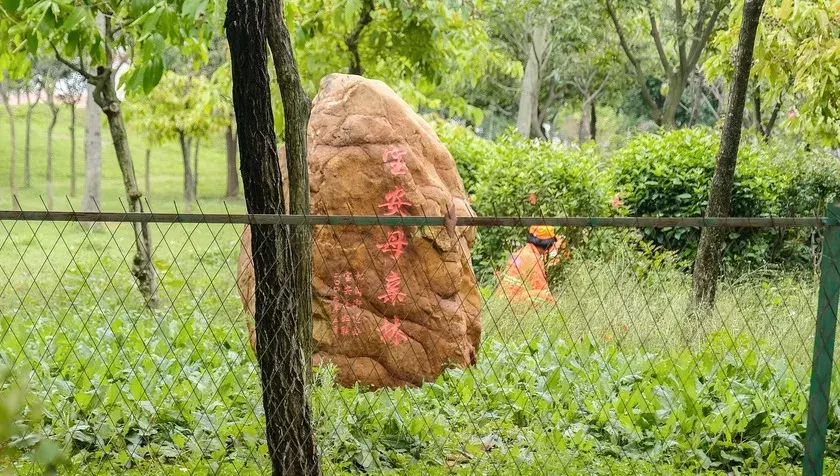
point(614, 379)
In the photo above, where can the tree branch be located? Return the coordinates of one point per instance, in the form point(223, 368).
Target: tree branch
point(663, 58)
point(79, 69)
point(680, 34)
point(352, 39)
point(640, 77)
point(759, 123)
point(699, 43)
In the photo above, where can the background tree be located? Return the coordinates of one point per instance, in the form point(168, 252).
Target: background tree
point(92, 197)
point(687, 28)
point(51, 76)
point(381, 38)
point(71, 93)
point(186, 109)
point(284, 357)
point(5, 93)
point(710, 250)
point(795, 68)
point(34, 88)
point(135, 31)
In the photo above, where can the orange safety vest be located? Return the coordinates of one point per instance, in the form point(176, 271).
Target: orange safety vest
point(524, 277)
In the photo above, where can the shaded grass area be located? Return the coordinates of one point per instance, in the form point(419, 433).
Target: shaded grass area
point(615, 378)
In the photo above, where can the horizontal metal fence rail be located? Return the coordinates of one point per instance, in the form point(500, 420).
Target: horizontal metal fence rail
point(373, 220)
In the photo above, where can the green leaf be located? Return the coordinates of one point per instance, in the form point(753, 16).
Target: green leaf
point(152, 75)
point(76, 16)
point(10, 5)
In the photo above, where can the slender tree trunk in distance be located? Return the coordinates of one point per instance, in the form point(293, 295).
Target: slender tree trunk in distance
point(54, 111)
point(188, 175)
point(530, 93)
point(195, 169)
point(73, 150)
point(593, 122)
point(709, 252)
point(27, 174)
point(142, 266)
point(147, 174)
point(284, 357)
point(12, 148)
point(93, 155)
point(585, 126)
point(232, 174)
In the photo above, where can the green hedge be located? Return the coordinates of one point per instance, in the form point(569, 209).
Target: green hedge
point(658, 174)
point(669, 174)
point(505, 176)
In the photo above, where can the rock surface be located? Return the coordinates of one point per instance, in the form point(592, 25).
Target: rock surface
point(392, 306)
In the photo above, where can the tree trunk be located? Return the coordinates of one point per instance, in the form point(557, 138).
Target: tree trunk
point(296, 109)
point(284, 356)
point(672, 103)
point(530, 94)
point(27, 174)
point(585, 126)
point(710, 250)
point(148, 177)
point(352, 39)
point(142, 266)
point(93, 154)
point(50, 129)
point(195, 169)
point(593, 123)
point(12, 152)
point(232, 174)
point(188, 175)
point(73, 150)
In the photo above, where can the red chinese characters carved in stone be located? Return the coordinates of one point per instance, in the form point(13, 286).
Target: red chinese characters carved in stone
point(393, 158)
point(395, 201)
point(345, 303)
point(392, 293)
point(395, 244)
point(390, 332)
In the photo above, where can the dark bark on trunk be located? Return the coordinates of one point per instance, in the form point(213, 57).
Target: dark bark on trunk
point(768, 128)
point(148, 174)
point(759, 121)
point(232, 174)
point(284, 357)
point(105, 95)
point(593, 120)
point(73, 150)
point(189, 184)
point(352, 40)
point(296, 109)
point(710, 250)
point(12, 151)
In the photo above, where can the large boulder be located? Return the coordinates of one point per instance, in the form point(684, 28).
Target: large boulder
point(392, 306)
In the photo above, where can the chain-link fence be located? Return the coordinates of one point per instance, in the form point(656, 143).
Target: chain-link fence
point(498, 346)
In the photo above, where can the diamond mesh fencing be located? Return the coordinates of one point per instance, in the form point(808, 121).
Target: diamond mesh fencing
point(500, 346)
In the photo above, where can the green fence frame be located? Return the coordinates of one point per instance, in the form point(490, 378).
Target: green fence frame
point(818, 399)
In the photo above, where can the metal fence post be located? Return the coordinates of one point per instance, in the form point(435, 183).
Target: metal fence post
point(818, 399)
